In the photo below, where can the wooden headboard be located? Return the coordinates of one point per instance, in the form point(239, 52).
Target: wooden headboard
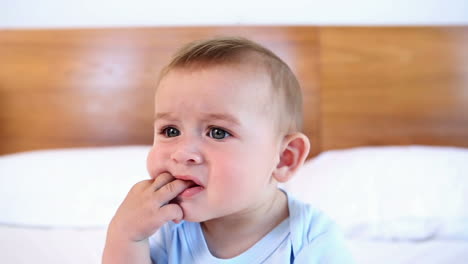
point(362, 85)
point(394, 86)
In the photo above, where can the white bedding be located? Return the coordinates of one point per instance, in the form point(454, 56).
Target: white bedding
point(391, 202)
point(19, 245)
point(405, 252)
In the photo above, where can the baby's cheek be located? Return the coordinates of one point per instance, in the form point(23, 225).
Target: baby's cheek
point(231, 176)
point(153, 163)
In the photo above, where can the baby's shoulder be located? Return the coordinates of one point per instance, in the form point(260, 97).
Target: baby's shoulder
point(315, 237)
point(308, 222)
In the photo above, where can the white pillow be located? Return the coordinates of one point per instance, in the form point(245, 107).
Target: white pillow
point(399, 192)
point(80, 187)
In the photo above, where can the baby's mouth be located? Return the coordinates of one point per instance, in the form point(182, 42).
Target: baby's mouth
point(191, 184)
point(192, 189)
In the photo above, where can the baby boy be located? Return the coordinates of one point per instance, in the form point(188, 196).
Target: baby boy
point(228, 116)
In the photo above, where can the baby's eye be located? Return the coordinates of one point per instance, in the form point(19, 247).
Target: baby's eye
point(170, 132)
point(218, 133)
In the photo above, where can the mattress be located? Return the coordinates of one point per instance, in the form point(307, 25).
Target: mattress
point(25, 245)
point(404, 252)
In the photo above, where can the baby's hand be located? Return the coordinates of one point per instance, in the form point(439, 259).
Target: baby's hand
point(146, 208)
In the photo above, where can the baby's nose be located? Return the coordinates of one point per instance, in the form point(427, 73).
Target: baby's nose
point(187, 157)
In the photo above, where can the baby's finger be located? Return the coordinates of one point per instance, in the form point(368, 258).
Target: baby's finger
point(171, 212)
point(170, 191)
point(161, 180)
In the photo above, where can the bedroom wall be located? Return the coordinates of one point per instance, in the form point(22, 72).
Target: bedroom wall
point(104, 13)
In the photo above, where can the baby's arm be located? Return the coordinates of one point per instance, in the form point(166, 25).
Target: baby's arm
point(329, 247)
point(141, 214)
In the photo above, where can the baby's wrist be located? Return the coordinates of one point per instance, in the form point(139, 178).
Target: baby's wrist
point(119, 249)
point(125, 233)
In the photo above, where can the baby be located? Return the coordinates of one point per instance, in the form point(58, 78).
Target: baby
point(228, 116)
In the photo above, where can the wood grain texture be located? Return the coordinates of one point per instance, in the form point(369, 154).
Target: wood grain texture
point(94, 87)
point(393, 86)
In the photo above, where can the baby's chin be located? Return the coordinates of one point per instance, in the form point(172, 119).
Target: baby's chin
point(194, 218)
point(197, 216)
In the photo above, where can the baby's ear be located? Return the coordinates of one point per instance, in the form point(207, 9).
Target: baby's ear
point(294, 151)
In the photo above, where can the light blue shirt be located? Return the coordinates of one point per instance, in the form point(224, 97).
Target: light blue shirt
point(307, 236)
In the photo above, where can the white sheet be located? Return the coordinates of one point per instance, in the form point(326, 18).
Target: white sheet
point(404, 252)
point(78, 187)
point(19, 245)
point(51, 246)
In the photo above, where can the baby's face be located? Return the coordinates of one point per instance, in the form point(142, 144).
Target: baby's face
point(215, 126)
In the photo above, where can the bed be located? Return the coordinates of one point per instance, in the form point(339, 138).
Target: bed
point(385, 109)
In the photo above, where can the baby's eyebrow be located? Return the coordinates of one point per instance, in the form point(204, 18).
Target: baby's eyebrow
point(209, 116)
point(224, 117)
point(162, 116)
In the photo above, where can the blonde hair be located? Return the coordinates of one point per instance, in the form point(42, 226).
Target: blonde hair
point(238, 50)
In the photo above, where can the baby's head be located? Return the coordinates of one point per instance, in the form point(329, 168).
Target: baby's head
point(228, 116)
point(283, 97)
